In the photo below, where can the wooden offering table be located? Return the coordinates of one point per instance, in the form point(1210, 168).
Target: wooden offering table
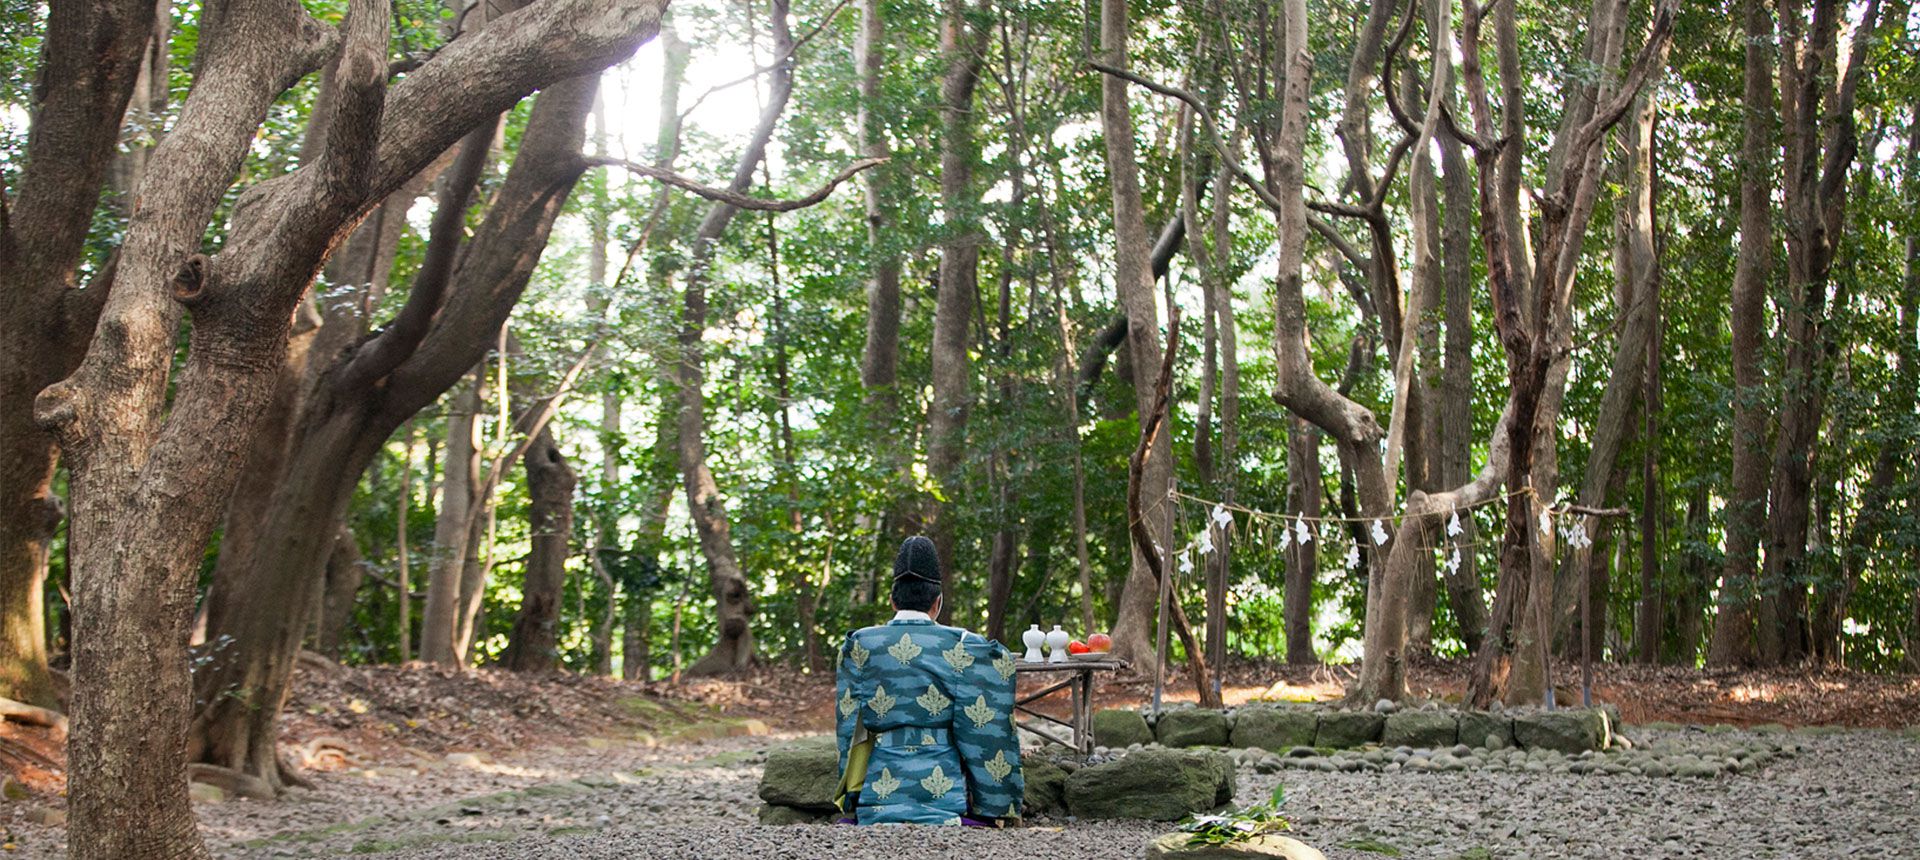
point(1078, 679)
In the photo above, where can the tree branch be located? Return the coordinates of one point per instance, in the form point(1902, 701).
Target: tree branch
point(1206, 119)
point(729, 196)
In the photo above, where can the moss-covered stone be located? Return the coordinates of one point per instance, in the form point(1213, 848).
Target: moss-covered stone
point(1192, 727)
point(1046, 787)
point(1570, 731)
point(1275, 729)
point(1421, 729)
point(1120, 728)
point(1347, 729)
point(1157, 785)
point(801, 777)
point(1483, 729)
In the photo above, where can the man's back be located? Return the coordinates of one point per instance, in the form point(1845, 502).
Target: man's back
point(937, 704)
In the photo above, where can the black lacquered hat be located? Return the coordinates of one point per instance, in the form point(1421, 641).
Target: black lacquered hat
point(917, 560)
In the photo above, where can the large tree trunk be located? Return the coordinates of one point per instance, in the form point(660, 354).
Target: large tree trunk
point(733, 598)
point(1733, 642)
point(1133, 279)
point(145, 531)
point(535, 643)
point(358, 399)
point(92, 57)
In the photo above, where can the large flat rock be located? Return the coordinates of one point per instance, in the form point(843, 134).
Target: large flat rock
point(1156, 785)
point(1275, 729)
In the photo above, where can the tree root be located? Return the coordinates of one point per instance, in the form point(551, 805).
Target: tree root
point(21, 712)
point(231, 781)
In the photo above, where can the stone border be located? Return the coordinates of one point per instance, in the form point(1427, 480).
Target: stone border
point(1279, 728)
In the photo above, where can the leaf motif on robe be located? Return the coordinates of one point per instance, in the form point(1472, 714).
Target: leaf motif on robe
point(886, 785)
point(848, 705)
point(937, 783)
point(998, 767)
point(858, 655)
point(957, 657)
point(881, 702)
point(905, 649)
point(934, 701)
point(980, 712)
point(1004, 665)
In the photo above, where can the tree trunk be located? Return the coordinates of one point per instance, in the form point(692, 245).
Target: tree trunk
point(1455, 413)
point(733, 599)
point(1304, 492)
point(403, 562)
point(1649, 614)
point(1133, 279)
point(1636, 269)
point(1821, 145)
point(364, 393)
point(1733, 643)
point(535, 643)
point(961, 47)
point(440, 642)
point(91, 60)
point(346, 569)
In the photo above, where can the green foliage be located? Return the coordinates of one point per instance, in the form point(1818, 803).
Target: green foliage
point(1240, 825)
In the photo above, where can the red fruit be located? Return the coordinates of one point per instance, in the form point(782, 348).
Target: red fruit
point(1077, 647)
point(1100, 642)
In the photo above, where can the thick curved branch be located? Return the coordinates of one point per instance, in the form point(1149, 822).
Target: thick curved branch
point(399, 339)
point(1206, 119)
point(729, 196)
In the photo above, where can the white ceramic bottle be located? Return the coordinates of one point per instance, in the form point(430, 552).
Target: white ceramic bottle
point(1057, 645)
point(1034, 638)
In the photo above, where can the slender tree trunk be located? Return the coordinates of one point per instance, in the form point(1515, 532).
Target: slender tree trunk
point(1133, 278)
point(1303, 559)
point(962, 47)
point(733, 598)
point(1635, 270)
point(1697, 580)
point(346, 569)
point(1649, 614)
point(1733, 629)
point(1455, 452)
point(535, 642)
point(403, 563)
point(439, 631)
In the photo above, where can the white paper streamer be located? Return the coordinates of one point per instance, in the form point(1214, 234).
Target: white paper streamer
point(1222, 517)
point(1300, 530)
point(1379, 534)
point(1204, 543)
point(1453, 525)
point(1353, 556)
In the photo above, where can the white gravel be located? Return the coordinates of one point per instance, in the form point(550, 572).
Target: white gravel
point(1847, 794)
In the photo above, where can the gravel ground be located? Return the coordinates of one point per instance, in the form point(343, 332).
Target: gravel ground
point(1826, 795)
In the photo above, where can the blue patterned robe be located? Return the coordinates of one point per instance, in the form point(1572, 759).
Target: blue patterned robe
point(936, 703)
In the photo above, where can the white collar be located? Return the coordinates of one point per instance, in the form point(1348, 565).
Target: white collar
point(911, 615)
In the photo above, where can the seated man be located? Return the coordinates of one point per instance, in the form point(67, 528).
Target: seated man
point(926, 713)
